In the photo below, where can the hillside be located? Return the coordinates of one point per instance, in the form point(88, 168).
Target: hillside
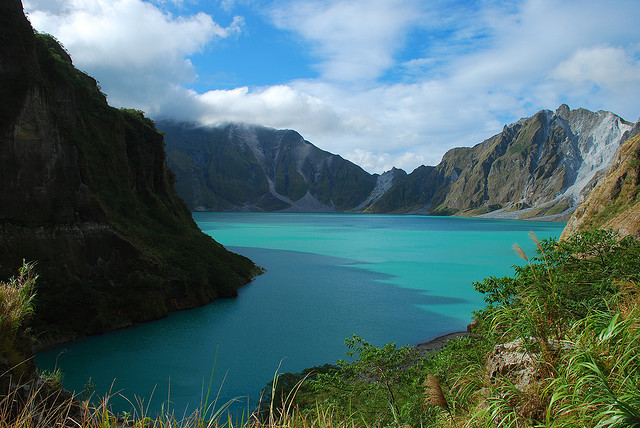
point(538, 167)
point(85, 193)
point(613, 203)
point(253, 168)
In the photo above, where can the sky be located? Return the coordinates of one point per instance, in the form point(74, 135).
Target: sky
point(382, 83)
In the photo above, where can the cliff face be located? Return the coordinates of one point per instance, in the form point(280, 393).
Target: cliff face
point(538, 166)
point(614, 202)
point(252, 168)
point(85, 192)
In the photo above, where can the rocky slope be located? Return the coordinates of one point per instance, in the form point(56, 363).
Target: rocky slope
point(614, 202)
point(253, 168)
point(538, 166)
point(85, 192)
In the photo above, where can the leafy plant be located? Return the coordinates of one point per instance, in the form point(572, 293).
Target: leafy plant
point(382, 385)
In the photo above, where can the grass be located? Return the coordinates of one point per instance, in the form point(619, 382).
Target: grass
point(16, 299)
point(570, 314)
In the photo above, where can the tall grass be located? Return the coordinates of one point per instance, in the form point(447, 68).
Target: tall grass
point(16, 298)
point(575, 309)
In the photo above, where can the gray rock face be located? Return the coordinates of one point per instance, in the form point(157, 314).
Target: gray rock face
point(512, 361)
point(614, 202)
point(252, 168)
point(540, 166)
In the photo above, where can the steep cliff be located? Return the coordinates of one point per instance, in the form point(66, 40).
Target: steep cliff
point(538, 166)
point(253, 168)
point(85, 193)
point(614, 202)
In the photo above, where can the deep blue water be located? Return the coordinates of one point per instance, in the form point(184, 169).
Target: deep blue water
point(403, 279)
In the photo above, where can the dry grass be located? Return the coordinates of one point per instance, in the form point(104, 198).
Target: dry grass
point(41, 408)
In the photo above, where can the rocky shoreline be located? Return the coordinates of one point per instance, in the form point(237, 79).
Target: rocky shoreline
point(439, 342)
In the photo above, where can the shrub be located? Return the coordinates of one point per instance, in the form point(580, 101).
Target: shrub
point(16, 298)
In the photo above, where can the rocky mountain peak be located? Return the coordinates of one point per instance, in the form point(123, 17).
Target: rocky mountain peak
point(563, 111)
point(537, 166)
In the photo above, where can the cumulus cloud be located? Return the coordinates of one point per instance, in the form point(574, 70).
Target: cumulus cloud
point(134, 49)
point(532, 50)
point(606, 66)
point(355, 40)
point(275, 106)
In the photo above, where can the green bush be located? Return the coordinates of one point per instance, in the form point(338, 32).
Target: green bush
point(16, 299)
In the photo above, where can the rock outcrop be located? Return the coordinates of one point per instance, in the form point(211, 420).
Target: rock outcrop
point(614, 202)
point(85, 193)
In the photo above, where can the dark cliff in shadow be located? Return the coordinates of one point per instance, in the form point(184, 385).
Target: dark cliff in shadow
point(85, 193)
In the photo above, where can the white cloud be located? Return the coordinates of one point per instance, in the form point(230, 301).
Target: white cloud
point(354, 40)
point(275, 106)
point(606, 66)
point(136, 50)
point(369, 160)
point(531, 47)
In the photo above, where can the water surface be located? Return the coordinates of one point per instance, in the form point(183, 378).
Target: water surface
point(403, 279)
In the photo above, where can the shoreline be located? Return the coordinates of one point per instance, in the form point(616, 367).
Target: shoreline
point(438, 343)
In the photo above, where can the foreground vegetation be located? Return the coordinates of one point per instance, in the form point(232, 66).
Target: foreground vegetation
point(557, 346)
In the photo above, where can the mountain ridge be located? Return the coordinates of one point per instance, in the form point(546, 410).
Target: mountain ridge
point(253, 168)
point(537, 167)
point(532, 165)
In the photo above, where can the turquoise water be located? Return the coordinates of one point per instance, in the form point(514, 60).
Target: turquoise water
point(403, 279)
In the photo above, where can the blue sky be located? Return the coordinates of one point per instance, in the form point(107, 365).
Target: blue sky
point(381, 82)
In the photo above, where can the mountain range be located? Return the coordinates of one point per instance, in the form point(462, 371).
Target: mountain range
point(539, 167)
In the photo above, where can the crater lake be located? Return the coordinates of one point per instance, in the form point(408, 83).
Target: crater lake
point(386, 278)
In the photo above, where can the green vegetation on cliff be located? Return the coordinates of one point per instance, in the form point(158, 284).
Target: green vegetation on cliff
point(86, 193)
point(16, 306)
